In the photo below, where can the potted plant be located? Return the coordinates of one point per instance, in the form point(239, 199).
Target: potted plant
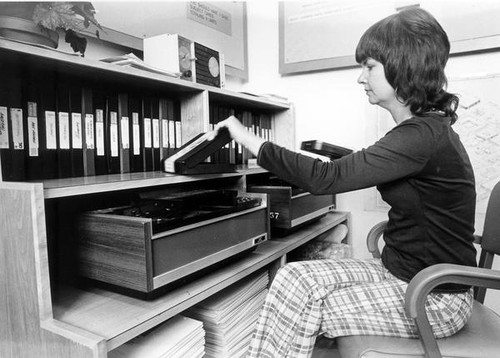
point(38, 22)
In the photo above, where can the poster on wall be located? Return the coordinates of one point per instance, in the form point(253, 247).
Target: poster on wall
point(479, 129)
point(318, 35)
point(478, 126)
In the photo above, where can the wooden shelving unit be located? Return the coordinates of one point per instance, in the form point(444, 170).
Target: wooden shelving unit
point(46, 316)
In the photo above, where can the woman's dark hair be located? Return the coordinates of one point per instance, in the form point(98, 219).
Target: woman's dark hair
point(414, 49)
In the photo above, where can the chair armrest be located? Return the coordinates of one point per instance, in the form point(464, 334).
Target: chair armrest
point(373, 237)
point(427, 279)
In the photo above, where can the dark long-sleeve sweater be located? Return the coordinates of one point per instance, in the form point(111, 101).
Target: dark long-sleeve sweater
point(422, 171)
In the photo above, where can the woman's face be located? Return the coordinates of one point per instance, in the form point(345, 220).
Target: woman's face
point(378, 90)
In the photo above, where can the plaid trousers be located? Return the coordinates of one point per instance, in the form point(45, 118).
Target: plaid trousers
point(344, 297)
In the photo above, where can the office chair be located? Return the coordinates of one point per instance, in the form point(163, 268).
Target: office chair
point(480, 337)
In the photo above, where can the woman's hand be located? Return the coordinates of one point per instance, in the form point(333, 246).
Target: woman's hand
point(239, 133)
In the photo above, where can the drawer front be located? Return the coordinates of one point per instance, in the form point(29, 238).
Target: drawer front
point(307, 207)
point(185, 252)
point(115, 250)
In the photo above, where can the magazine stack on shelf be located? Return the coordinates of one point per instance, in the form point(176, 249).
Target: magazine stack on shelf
point(229, 317)
point(179, 337)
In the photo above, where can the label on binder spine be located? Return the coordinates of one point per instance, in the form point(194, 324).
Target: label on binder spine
point(125, 138)
point(99, 132)
point(50, 129)
point(16, 115)
point(156, 133)
point(114, 134)
point(4, 128)
point(76, 135)
point(147, 132)
point(33, 136)
point(63, 130)
point(136, 133)
point(89, 131)
point(164, 133)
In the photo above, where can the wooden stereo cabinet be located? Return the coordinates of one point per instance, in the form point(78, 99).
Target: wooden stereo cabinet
point(46, 310)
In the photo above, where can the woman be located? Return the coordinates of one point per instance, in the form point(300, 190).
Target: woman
point(422, 171)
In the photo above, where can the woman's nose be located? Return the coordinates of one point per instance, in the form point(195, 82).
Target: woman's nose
point(361, 78)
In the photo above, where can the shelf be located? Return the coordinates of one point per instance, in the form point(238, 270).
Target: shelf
point(118, 318)
point(60, 188)
point(42, 56)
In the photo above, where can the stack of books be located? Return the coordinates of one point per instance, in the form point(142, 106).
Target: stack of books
point(179, 337)
point(229, 317)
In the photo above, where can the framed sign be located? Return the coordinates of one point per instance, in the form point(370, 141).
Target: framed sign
point(319, 35)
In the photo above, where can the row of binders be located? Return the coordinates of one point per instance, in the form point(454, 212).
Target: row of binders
point(219, 327)
point(61, 127)
point(258, 123)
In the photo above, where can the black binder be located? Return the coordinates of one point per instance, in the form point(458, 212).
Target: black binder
point(188, 159)
point(88, 132)
point(31, 110)
point(48, 126)
point(331, 151)
point(155, 132)
point(112, 135)
point(63, 129)
point(147, 137)
point(77, 129)
point(124, 133)
point(101, 131)
point(17, 127)
point(135, 123)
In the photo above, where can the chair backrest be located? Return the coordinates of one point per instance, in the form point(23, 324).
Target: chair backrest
point(490, 239)
point(491, 233)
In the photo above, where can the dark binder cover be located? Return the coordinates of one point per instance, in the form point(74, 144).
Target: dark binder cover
point(164, 152)
point(172, 113)
point(88, 140)
point(48, 126)
point(177, 126)
point(135, 121)
point(101, 131)
point(17, 129)
point(77, 128)
point(112, 135)
point(212, 119)
point(5, 140)
point(63, 129)
point(147, 146)
point(155, 131)
point(124, 133)
point(188, 159)
point(31, 103)
point(331, 151)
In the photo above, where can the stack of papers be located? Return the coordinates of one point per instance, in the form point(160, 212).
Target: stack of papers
point(131, 60)
point(179, 337)
point(229, 317)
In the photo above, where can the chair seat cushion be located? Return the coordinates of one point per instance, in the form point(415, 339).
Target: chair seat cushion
point(480, 338)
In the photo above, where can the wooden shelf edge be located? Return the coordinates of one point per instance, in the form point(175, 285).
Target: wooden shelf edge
point(74, 334)
point(84, 309)
point(60, 188)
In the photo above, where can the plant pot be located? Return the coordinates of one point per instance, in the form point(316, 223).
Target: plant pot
point(25, 30)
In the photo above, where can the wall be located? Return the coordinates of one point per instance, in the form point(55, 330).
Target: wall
point(329, 105)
